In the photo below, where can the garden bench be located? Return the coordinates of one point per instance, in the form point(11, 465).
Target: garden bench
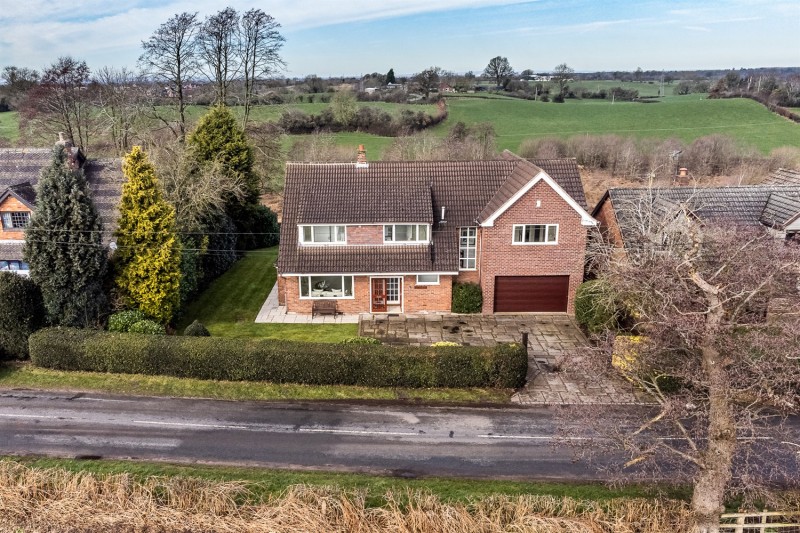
point(323, 307)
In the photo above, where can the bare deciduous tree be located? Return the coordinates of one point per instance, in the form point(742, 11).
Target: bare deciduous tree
point(170, 57)
point(61, 101)
point(562, 75)
point(498, 69)
point(722, 376)
point(219, 50)
point(121, 103)
point(428, 79)
point(260, 43)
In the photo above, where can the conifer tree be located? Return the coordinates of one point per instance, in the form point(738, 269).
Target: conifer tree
point(64, 248)
point(218, 138)
point(148, 257)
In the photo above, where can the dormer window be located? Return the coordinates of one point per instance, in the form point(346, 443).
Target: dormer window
point(15, 220)
point(323, 234)
point(405, 233)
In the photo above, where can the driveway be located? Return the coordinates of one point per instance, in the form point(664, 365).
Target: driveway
point(550, 337)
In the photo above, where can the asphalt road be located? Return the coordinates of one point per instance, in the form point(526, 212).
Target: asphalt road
point(405, 440)
point(408, 441)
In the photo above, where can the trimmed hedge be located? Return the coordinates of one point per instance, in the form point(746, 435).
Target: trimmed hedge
point(370, 365)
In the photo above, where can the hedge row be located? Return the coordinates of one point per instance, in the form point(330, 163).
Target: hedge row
point(216, 358)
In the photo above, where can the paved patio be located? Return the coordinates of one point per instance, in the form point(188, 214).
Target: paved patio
point(550, 337)
point(272, 313)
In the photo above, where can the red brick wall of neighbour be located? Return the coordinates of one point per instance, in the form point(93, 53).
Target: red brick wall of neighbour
point(501, 258)
point(608, 223)
point(419, 298)
point(15, 206)
point(364, 235)
point(416, 298)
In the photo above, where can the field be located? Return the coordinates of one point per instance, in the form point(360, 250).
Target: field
point(683, 117)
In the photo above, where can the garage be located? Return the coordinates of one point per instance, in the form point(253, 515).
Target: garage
point(531, 294)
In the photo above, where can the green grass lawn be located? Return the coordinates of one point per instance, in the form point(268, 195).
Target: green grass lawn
point(9, 126)
point(230, 305)
point(265, 483)
point(684, 117)
point(27, 376)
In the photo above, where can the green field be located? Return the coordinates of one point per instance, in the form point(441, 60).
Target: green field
point(9, 126)
point(683, 117)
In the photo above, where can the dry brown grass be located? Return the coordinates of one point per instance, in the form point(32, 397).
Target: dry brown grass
point(50, 500)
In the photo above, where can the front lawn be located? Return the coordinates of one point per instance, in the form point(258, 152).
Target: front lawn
point(229, 307)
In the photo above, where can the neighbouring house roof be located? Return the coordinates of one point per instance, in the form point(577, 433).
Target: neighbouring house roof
point(20, 169)
point(24, 192)
point(401, 192)
point(753, 205)
point(783, 176)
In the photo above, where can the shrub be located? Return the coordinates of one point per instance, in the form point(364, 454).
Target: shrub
point(467, 298)
point(361, 340)
point(121, 322)
point(371, 365)
point(196, 329)
point(21, 313)
point(148, 327)
point(444, 343)
point(595, 308)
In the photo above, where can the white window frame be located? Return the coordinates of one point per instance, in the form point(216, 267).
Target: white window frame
point(416, 234)
point(546, 234)
point(311, 296)
point(428, 282)
point(17, 220)
point(335, 229)
point(474, 247)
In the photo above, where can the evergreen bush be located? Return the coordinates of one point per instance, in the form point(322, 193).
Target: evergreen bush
point(21, 313)
point(122, 321)
point(196, 329)
point(467, 298)
point(147, 327)
point(595, 308)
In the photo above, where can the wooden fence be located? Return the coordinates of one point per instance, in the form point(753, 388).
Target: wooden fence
point(764, 522)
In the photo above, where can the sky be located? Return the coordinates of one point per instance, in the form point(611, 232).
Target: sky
point(352, 37)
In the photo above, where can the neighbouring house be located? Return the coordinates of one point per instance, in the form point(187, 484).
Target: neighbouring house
point(393, 237)
point(783, 176)
point(631, 217)
point(20, 169)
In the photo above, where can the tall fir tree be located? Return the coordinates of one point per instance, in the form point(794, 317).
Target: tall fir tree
point(64, 248)
point(219, 138)
point(148, 257)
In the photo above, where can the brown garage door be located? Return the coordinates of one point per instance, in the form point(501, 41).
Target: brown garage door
point(531, 294)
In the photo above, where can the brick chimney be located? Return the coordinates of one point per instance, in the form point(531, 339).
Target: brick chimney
point(361, 160)
point(682, 177)
point(75, 156)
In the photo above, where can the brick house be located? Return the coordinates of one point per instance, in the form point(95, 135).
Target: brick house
point(393, 237)
point(631, 217)
point(20, 169)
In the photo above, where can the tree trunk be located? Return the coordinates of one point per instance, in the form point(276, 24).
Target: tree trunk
point(709, 488)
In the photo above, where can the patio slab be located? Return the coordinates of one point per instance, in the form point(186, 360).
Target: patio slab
point(272, 313)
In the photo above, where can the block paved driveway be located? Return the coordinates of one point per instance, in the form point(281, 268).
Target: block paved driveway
point(550, 337)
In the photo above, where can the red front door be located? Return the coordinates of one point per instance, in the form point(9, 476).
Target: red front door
point(378, 295)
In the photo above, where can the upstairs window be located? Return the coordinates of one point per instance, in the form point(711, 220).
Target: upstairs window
point(15, 220)
point(405, 233)
point(323, 234)
point(535, 234)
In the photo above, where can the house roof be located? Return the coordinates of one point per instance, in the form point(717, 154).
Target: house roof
point(20, 169)
point(565, 172)
point(401, 192)
point(783, 176)
point(24, 192)
point(754, 205)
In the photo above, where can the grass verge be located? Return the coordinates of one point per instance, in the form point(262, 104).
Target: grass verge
point(28, 376)
point(270, 482)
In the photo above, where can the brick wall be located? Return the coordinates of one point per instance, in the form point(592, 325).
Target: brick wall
point(427, 298)
point(416, 298)
point(13, 205)
point(501, 258)
point(608, 223)
point(357, 235)
point(281, 290)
